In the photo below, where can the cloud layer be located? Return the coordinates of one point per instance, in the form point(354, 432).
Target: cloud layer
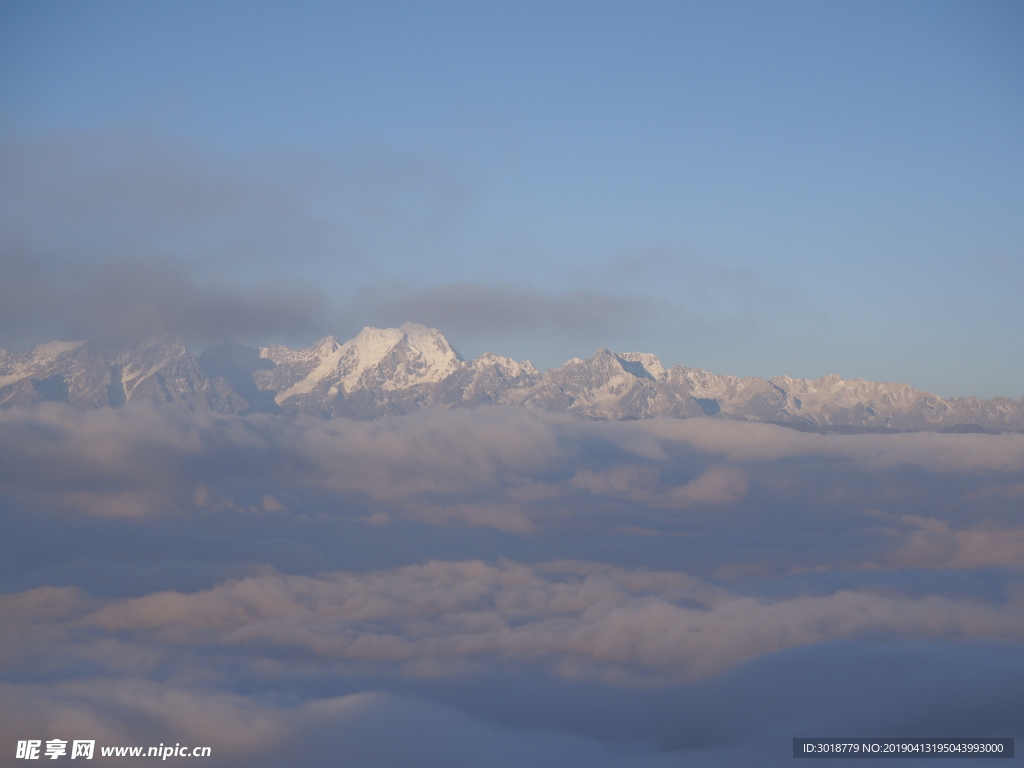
point(96, 225)
point(556, 590)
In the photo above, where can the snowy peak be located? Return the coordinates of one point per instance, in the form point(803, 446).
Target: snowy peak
point(506, 365)
point(432, 343)
point(377, 358)
point(611, 385)
point(418, 354)
point(388, 371)
point(831, 400)
point(400, 358)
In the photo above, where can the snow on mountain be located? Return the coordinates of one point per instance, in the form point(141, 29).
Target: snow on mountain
point(490, 380)
point(643, 364)
point(399, 358)
point(613, 386)
point(14, 368)
point(321, 377)
point(109, 371)
point(388, 371)
point(750, 398)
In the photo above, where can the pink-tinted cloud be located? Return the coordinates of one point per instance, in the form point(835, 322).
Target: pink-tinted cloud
point(574, 619)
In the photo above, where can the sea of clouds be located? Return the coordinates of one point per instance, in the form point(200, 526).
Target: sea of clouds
point(502, 587)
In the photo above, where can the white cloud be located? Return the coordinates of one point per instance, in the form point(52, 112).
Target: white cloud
point(588, 620)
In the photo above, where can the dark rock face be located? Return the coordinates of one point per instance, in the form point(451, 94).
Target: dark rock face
point(235, 365)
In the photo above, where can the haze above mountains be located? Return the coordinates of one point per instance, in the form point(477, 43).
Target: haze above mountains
point(394, 371)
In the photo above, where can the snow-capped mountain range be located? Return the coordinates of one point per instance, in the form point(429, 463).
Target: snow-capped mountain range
point(398, 370)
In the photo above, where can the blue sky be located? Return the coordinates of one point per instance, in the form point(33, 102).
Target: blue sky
point(801, 188)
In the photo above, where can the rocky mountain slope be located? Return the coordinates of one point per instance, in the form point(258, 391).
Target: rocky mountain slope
point(398, 370)
point(109, 371)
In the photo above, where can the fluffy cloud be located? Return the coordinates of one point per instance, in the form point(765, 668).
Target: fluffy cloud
point(140, 460)
point(933, 544)
point(573, 619)
point(501, 582)
point(742, 442)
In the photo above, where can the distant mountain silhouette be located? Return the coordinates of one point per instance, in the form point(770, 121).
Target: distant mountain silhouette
point(392, 371)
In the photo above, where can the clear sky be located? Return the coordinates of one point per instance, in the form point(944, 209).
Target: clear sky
point(752, 188)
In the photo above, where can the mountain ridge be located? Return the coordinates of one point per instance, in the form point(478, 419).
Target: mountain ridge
point(391, 371)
